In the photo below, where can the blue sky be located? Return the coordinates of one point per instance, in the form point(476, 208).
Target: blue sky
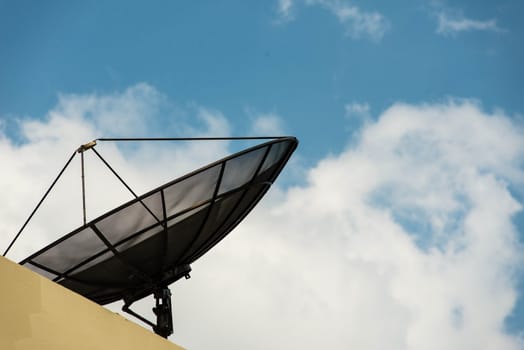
point(330, 72)
point(243, 55)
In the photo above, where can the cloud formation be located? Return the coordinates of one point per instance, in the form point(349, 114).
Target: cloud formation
point(266, 124)
point(357, 110)
point(357, 23)
point(449, 24)
point(284, 9)
point(403, 240)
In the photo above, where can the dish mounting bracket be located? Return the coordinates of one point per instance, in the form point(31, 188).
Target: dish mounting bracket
point(162, 310)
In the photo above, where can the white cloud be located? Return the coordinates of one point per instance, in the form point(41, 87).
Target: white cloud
point(284, 9)
point(267, 124)
point(357, 23)
point(334, 264)
point(358, 110)
point(116, 114)
point(449, 24)
point(404, 240)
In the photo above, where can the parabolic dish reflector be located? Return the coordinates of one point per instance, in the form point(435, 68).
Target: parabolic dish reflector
point(151, 241)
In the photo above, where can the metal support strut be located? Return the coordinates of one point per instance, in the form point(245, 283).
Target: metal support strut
point(39, 203)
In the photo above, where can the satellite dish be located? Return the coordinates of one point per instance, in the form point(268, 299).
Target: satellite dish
point(143, 246)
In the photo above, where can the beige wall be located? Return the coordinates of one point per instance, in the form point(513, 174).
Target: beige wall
point(36, 313)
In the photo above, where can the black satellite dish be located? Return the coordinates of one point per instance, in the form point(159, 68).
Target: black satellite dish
point(143, 246)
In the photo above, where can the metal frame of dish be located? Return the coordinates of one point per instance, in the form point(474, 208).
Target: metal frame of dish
point(144, 245)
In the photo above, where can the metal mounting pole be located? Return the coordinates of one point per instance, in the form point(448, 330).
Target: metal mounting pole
point(81, 150)
point(163, 312)
point(83, 188)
